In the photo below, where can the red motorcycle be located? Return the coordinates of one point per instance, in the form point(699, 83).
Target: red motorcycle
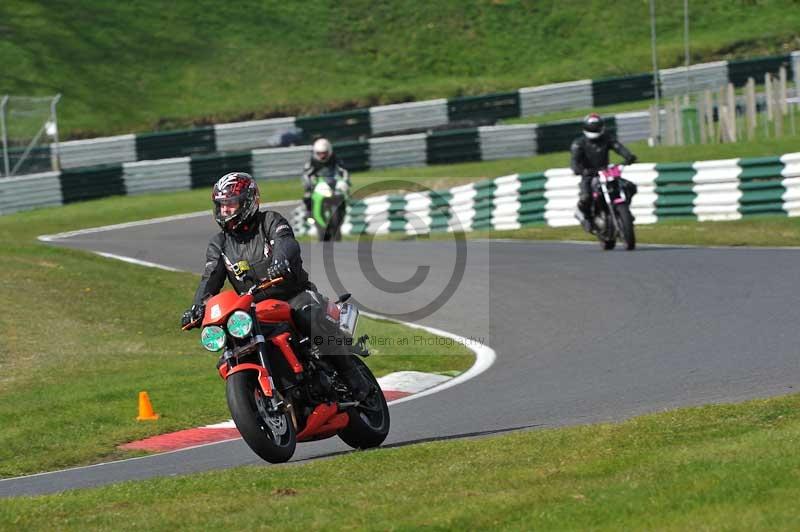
point(280, 389)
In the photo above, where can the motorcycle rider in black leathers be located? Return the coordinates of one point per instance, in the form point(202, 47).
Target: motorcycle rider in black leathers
point(254, 246)
point(589, 156)
point(325, 163)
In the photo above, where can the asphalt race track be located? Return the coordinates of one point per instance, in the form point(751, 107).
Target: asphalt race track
point(581, 335)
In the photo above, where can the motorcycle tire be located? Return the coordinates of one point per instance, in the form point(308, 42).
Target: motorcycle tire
point(272, 438)
point(369, 421)
point(626, 227)
point(608, 245)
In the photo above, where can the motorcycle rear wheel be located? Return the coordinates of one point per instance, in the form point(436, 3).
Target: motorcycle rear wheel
point(369, 421)
point(272, 437)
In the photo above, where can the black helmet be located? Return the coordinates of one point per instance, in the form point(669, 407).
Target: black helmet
point(593, 126)
point(237, 195)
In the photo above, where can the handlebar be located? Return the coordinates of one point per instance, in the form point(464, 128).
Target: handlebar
point(264, 285)
point(192, 324)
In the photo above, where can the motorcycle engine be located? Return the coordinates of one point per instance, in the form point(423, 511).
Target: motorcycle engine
point(321, 384)
point(600, 223)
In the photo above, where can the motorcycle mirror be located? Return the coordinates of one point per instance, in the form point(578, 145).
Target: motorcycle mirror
point(344, 297)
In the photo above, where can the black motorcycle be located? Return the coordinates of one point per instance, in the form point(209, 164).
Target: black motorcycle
point(610, 208)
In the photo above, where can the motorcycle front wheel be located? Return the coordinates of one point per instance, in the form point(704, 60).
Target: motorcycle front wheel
point(369, 421)
point(626, 227)
point(269, 434)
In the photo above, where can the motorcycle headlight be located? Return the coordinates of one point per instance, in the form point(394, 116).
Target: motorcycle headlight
point(213, 338)
point(240, 324)
point(323, 189)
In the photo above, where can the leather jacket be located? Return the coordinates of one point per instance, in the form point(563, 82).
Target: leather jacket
point(243, 256)
point(591, 155)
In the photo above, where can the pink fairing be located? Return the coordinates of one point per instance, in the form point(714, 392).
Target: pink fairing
point(617, 201)
point(595, 194)
point(612, 172)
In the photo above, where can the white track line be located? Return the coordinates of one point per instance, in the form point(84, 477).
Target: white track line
point(90, 230)
point(138, 262)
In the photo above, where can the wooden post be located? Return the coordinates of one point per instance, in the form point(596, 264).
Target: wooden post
point(732, 112)
point(701, 120)
point(792, 106)
point(776, 107)
point(722, 115)
point(750, 103)
point(654, 124)
point(768, 93)
point(669, 123)
point(783, 92)
point(709, 118)
point(676, 103)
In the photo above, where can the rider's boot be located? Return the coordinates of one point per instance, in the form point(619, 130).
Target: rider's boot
point(585, 220)
point(347, 368)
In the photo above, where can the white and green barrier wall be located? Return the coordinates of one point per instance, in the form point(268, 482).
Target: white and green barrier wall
point(705, 190)
point(416, 117)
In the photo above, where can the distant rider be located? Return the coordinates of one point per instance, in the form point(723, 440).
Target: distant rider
point(254, 246)
point(589, 156)
point(323, 163)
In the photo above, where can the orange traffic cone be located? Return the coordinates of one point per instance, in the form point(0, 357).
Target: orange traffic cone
point(145, 408)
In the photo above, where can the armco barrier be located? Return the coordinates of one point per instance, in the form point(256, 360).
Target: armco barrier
point(169, 144)
point(336, 126)
point(30, 192)
point(406, 116)
point(699, 77)
point(241, 136)
point(555, 97)
point(207, 169)
point(622, 89)
point(81, 184)
point(355, 153)
point(705, 190)
point(415, 117)
point(741, 69)
point(505, 142)
point(487, 108)
point(453, 146)
point(107, 150)
point(156, 176)
point(399, 151)
point(279, 163)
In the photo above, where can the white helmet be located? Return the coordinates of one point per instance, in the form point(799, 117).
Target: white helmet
point(322, 150)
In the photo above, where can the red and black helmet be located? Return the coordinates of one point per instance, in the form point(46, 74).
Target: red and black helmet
point(593, 126)
point(238, 193)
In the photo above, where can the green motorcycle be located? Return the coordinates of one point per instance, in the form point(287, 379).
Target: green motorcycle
point(328, 205)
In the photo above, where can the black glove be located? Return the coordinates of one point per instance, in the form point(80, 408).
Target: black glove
point(630, 160)
point(279, 269)
point(194, 313)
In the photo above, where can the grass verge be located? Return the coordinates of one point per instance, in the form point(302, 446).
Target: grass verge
point(752, 231)
point(731, 467)
point(82, 335)
point(139, 67)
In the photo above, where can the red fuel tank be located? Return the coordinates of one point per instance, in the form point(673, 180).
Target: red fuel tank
point(274, 311)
